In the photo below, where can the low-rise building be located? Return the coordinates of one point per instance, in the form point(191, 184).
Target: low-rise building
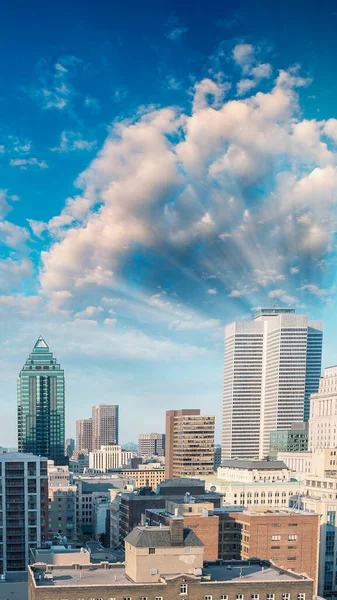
point(200, 517)
point(151, 444)
point(108, 458)
point(166, 563)
point(101, 519)
point(146, 475)
point(252, 471)
point(273, 494)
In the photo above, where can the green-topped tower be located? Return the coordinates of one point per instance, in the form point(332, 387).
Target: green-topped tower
point(41, 421)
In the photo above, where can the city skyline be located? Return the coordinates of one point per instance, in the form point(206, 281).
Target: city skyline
point(147, 201)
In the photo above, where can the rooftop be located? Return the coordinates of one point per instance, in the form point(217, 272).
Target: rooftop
point(114, 575)
point(20, 456)
point(253, 570)
point(272, 312)
point(159, 537)
point(251, 465)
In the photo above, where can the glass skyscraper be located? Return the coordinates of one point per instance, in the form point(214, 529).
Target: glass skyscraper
point(41, 405)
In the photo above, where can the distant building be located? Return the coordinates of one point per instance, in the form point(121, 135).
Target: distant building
point(151, 444)
point(290, 440)
point(189, 444)
point(108, 458)
point(69, 447)
point(251, 471)
point(104, 425)
point(41, 401)
point(217, 457)
point(133, 506)
point(323, 412)
point(146, 475)
point(61, 503)
point(24, 522)
point(79, 464)
point(272, 366)
point(84, 436)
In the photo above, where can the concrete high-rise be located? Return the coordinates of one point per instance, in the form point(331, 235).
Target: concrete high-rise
point(41, 400)
point(189, 444)
point(151, 444)
point(272, 366)
point(84, 435)
point(323, 412)
point(24, 508)
point(104, 425)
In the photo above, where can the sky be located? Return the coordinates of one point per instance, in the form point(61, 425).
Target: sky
point(165, 168)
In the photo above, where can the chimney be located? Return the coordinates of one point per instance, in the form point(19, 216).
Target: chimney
point(177, 530)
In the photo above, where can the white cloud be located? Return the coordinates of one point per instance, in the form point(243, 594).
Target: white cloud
point(212, 291)
point(315, 290)
point(244, 55)
point(176, 33)
point(24, 163)
point(88, 312)
point(110, 322)
point(71, 141)
point(245, 85)
point(194, 325)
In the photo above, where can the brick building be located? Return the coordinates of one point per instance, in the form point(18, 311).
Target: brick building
point(289, 538)
point(198, 517)
point(166, 563)
point(133, 506)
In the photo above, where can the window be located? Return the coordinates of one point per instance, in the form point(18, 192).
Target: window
point(152, 551)
point(254, 596)
point(275, 538)
point(207, 597)
point(239, 597)
point(300, 596)
point(276, 524)
point(270, 596)
point(292, 538)
point(286, 596)
point(158, 598)
point(223, 597)
point(125, 598)
point(183, 588)
point(291, 558)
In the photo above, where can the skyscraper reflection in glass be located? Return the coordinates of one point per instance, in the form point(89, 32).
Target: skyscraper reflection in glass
point(41, 422)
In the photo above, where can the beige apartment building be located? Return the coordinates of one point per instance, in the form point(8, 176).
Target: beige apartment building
point(84, 436)
point(189, 444)
point(104, 425)
point(146, 476)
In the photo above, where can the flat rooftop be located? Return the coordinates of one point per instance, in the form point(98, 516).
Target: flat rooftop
point(242, 571)
point(95, 575)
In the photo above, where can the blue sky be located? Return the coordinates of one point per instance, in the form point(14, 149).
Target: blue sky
point(164, 168)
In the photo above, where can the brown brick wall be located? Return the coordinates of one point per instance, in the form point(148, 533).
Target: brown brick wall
point(171, 590)
point(300, 555)
point(207, 530)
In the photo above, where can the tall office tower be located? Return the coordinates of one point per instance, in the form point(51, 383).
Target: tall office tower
point(41, 405)
point(24, 508)
point(84, 436)
point(323, 412)
point(189, 444)
point(151, 444)
point(104, 425)
point(272, 365)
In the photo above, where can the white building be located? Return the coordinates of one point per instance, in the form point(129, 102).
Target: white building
point(253, 471)
point(274, 494)
point(109, 457)
point(100, 516)
point(323, 412)
point(272, 365)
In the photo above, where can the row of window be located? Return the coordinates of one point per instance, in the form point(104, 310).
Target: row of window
point(184, 590)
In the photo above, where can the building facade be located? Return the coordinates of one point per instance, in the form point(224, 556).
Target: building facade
point(272, 366)
point(151, 444)
point(24, 508)
point(61, 503)
point(105, 419)
point(189, 444)
point(84, 436)
point(41, 405)
point(293, 440)
point(323, 412)
point(108, 458)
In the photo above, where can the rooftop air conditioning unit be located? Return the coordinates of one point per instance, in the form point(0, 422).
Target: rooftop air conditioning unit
point(154, 572)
